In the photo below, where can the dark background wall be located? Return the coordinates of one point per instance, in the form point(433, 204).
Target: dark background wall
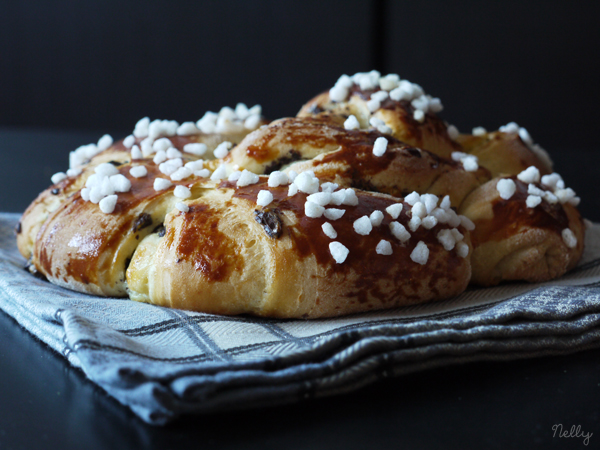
point(102, 65)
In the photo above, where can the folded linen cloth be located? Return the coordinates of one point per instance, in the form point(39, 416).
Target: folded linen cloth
point(162, 362)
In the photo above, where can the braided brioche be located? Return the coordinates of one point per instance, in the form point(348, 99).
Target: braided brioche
point(366, 200)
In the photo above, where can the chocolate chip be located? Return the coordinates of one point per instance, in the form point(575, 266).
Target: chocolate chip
point(55, 191)
point(364, 185)
point(270, 221)
point(18, 228)
point(116, 163)
point(143, 220)
point(414, 152)
point(292, 156)
point(161, 230)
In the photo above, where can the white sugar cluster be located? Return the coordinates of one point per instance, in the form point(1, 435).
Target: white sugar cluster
point(317, 202)
point(155, 141)
point(554, 188)
point(423, 104)
point(81, 156)
point(176, 169)
point(380, 125)
point(241, 177)
point(170, 160)
point(307, 183)
point(554, 192)
point(103, 186)
point(426, 212)
point(154, 137)
point(377, 98)
point(145, 128)
point(389, 86)
point(352, 123)
point(340, 91)
point(469, 162)
point(229, 120)
point(513, 128)
point(452, 238)
point(562, 194)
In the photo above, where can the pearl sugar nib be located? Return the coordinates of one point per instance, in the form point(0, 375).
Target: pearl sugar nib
point(384, 248)
point(264, 198)
point(506, 188)
point(338, 251)
point(380, 146)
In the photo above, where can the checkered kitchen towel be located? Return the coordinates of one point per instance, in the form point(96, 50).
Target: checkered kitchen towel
point(162, 362)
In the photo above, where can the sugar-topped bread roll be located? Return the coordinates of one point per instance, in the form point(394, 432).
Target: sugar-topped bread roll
point(84, 247)
point(148, 140)
point(396, 107)
point(349, 158)
point(228, 255)
point(523, 231)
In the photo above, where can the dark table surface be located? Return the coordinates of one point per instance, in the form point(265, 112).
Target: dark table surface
point(45, 403)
